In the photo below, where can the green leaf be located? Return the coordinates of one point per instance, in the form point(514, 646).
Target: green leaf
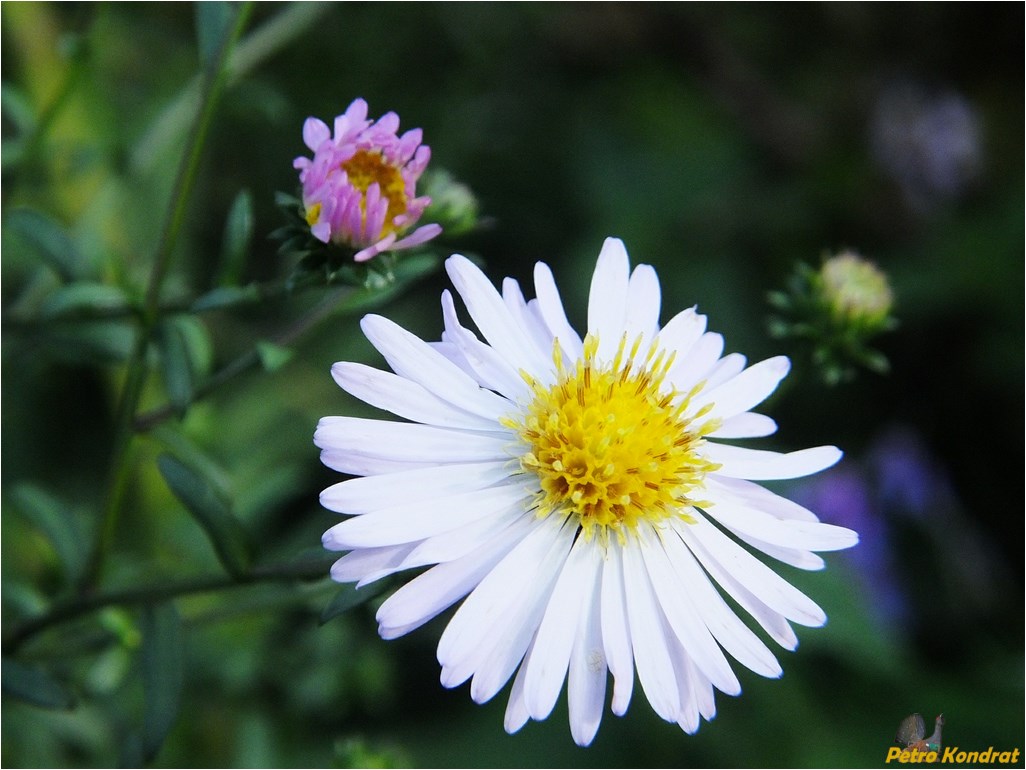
point(186, 357)
point(17, 108)
point(174, 441)
point(272, 357)
point(212, 511)
point(91, 343)
point(226, 296)
point(238, 234)
point(348, 597)
point(162, 674)
point(54, 519)
point(212, 22)
point(35, 686)
point(408, 271)
point(48, 238)
point(174, 358)
point(88, 299)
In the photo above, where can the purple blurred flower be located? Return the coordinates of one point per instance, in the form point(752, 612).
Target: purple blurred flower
point(848, 496)
point(930, 144)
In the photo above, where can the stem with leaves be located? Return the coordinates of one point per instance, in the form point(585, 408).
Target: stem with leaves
point(213, 82)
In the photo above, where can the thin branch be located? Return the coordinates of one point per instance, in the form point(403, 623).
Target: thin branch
point(77, 606)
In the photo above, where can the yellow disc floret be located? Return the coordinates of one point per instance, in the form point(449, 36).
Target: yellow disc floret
point(610, 444)
point(369, 166)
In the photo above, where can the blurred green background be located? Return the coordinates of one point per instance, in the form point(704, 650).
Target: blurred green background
point(723, 143)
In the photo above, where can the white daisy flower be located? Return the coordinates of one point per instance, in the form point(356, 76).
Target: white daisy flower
point(575, 495)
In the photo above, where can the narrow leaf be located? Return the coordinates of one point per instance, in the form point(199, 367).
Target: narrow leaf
point(57, 522)
point(162, 674)
point(186, 357)
point(238, 234)
point(33, 685)
point(212, 511)
point(212, 22)
point(48, 238)
point(92, 343)
point(272, 357)
point(177, 369)
point(348, 597)
point(226, 296)
point(84, 299)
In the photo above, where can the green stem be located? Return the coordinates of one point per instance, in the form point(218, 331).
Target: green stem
point(135, 378)
point(76, 607)
point(250, 294)
point(245, 362)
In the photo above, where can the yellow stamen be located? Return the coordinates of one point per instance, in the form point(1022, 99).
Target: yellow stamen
point(367, 167)
point(611, 445)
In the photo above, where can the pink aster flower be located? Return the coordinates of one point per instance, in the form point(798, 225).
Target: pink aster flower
point(359, 189)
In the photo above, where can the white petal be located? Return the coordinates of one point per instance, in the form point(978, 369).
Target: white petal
point(412, 358)
point(763, 582)
point(746, 425)
point(419, 519)
point(773, 623)
point(787, 533)
point(551, 308)
point(643, 303)
point(688, 682)
point(747, 493)
point(404, 398)
point(507, 641)
point(586, 680)
point(719, 618)
point(555, 639)
point(344, 461)
point(703, 691)
point(458, 542)
point(616, 634)
point(651, 656)
point(408, 442)
point(746, 390)
point(492, 317)
point(369, 564)
point(607, 300)
point(371, 493)
point(516, 709)
point(693, 368)
point(529, 321)
point(489, 604)
point(727, 367)
point(805, 560)
point(683, 617)
point(682, 332)
point(433, 591)
point(758, 464)
point(488, 366)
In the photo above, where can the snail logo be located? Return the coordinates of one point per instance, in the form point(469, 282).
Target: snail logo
point(911, 732)
point(915, 748)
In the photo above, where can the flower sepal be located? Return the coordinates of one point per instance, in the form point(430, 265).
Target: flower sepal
point(837, 309)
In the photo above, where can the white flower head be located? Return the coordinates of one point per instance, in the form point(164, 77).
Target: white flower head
point(575, 495)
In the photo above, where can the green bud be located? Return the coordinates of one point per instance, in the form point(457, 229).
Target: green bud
point(453, 205)
point(855, 290)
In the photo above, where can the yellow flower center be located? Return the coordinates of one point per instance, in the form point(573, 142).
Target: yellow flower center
point(611, 445)
point(367, 167)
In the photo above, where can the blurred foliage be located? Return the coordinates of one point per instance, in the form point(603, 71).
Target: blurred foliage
point(723, 143)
